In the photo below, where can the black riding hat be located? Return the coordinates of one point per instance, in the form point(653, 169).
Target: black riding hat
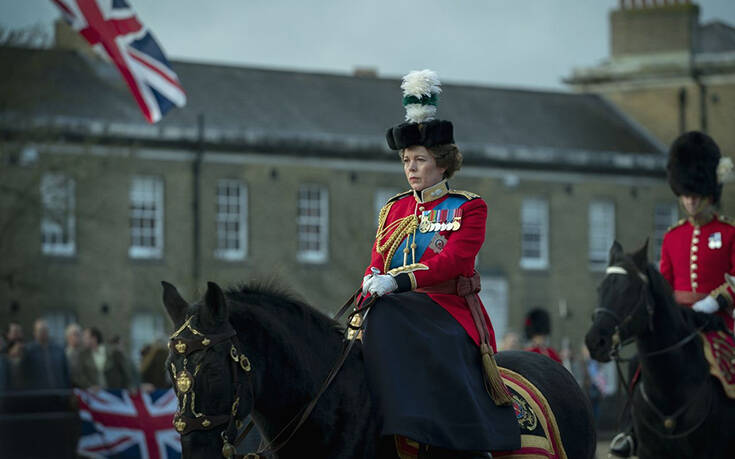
point(421, 90)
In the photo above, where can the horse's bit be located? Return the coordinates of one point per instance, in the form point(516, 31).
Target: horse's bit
point(184, 384)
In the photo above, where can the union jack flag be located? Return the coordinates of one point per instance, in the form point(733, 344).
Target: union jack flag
point(112, 28)
point(120, 424)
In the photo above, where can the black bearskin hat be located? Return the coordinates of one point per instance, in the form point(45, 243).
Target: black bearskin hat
point(420, 97)
point(692, 166)
point(538, 322)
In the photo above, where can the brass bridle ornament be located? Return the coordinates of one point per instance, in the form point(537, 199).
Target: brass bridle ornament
point(187, 419)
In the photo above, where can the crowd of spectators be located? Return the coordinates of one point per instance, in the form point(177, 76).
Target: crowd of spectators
point(85, 361)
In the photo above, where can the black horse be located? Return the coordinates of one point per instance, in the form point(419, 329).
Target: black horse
point(257, 351)
point(678, 409)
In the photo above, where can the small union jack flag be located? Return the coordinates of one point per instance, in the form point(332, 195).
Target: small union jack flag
point(112, 28)
point(121, 424)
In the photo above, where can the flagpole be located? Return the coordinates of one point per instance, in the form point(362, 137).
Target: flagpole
point(196, 174)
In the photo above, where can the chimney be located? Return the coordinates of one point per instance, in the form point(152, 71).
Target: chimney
point(67, 38)
point(653, 27)
point(365, 72)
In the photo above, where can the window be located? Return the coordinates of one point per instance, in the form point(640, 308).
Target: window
point(534, 233)
point(664, 215)
point(494, 296)
point(57, 216)
point(232, 220)
point(57, 322)
point(313, 219)
point(145, 328)
point(601, 233)
point(381, 198)
point(146, 217)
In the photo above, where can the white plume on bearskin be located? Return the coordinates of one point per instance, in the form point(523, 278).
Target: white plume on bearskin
point(420, 83)
point(725, 173)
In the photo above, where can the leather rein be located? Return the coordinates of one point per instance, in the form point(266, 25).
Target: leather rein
point(184, 382)
point(669, 422)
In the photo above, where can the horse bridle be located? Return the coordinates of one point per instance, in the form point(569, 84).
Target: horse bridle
point(184, 380)
point(184, 384)
point(618, 340)
point(669, 422)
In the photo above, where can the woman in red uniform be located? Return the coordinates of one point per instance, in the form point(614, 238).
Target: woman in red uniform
point(422, 344)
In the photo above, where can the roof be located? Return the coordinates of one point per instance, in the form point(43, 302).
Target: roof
point(275, 107)
point(716, 37)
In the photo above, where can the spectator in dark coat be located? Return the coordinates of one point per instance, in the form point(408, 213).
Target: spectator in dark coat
point(44, 362)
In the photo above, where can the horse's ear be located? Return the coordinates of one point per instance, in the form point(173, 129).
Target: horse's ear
point(215, 306)
point(616, 252)
point(175, 305)
point(640, 257)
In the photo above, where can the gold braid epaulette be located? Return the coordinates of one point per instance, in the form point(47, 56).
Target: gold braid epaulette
point(728, 220)
point(677, 224)
point(467, 194)
point(401, 228)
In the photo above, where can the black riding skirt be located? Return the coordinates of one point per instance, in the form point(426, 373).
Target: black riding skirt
point(425, 373)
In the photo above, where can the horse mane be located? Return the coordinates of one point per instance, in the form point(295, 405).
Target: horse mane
point(271, 299)
point(664, 294)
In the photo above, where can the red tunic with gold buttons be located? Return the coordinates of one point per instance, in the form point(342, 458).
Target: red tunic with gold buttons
point(695, 258)
point(448, 227)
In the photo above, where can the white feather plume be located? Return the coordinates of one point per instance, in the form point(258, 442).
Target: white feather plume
point(725, 171)
point(420, 83)
point(417, 113)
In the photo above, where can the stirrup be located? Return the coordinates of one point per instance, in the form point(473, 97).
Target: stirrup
point(622, 445)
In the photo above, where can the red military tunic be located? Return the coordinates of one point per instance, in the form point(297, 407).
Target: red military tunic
point(695, 258)
point(450, 253)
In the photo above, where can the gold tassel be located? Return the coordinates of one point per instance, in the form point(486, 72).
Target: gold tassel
point(496, 387)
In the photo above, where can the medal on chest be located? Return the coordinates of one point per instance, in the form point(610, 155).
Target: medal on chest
point(440, 220)
point(715, 240)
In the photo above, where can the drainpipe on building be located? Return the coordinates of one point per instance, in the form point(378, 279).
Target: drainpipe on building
point(702, 104)
point(196, 175)
point(682, 110)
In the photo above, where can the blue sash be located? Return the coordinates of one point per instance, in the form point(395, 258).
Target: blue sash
point(423, 239)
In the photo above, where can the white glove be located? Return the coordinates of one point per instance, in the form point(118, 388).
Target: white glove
point(365, 283)
point(707, 304)
point(365, 279)
point(380, 284)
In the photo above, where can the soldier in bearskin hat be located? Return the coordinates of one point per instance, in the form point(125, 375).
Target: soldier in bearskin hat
point(538, 329)
point(421, 342)
point(698, 252)
point(700, 249)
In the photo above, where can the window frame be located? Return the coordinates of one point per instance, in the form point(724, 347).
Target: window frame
point(223, 218)
point(660, 228)
point(598, 256)
point(156, 198)
point(534, 204)
point(51, 228)
point(321, 253)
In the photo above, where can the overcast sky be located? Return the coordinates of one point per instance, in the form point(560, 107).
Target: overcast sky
point(511, 43)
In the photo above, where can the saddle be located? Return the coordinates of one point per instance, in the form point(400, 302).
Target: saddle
point(540, 438)
point(719, 350)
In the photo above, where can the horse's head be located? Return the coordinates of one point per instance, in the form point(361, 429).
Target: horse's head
point(211, 374)
point(624, 305)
